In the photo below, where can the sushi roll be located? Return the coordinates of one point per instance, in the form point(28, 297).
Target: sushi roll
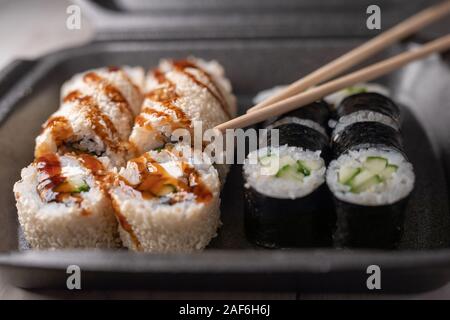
point(315, 115)
point(371, 180)
point(167, 201)
point(336, 98)
point(180, 92)
point(96, 114)
point(369, 101)
point(366, 134)
point(286, 201)
point(62, 203)
point(366, 107)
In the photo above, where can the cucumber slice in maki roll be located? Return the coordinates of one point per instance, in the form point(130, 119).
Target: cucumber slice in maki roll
point(371, 181)
point(287, 203)
point(286, 198)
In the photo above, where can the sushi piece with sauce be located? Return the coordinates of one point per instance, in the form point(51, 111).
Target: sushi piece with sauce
point(371, 180)
point(178, 93)
point(286, 201)
point(62, 202)
point(96, 114)
point(167, 201)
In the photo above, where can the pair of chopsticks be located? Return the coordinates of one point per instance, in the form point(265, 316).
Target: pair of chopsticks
point(293, 96)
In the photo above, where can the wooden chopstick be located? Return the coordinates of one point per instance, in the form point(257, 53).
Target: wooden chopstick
point(366, 74)
point(359, 54)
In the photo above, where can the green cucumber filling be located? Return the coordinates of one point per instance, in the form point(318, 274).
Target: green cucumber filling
point(373, 171)
point(82, 188)
point(290, 168)
point(355, 90)
point(72, 185)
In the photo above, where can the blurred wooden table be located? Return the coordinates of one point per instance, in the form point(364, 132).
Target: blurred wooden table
point(29, 29)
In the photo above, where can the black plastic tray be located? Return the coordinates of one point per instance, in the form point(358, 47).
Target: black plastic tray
point(214, 19)
point(29, 92)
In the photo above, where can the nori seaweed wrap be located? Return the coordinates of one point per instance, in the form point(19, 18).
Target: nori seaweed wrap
point(318, 111)
point(359, 226)
point(302, 222)
point(369, 101)
point(364, 135)
point(301, 136)
point(371, 180)
point(293, 207)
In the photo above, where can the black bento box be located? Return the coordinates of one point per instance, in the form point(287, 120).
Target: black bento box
point(261, 44)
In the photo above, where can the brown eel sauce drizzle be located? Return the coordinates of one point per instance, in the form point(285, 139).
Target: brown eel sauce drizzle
point(154, 178)
point(182, 65)
point(100, 123)
point(165, 95)
point(52, 185)
point(113, 94)
point(60, 129)
point(104, 179)
point(50, 171)
point(50, 177)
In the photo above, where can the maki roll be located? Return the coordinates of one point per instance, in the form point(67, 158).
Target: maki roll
point(336, 98)
point(167, 201)
point(369, 101)
point(366, 107)
point(302, 133)
point(62, 203)
point(180, 92)
point(287, 203)
point(96, 114)
point(371, 180)
point(366, 134)
point(314, 116)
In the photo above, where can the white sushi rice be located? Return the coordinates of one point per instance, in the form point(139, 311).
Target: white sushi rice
point(122, 120)
point(362, 116)
point(55, 225)
point(217, 72)
point(195, 101)
point(182, 227)
point(336, 98)
point(304, 122)
point(270, 185)
point(394, 189)
point(83, 136)
point(128, 81)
